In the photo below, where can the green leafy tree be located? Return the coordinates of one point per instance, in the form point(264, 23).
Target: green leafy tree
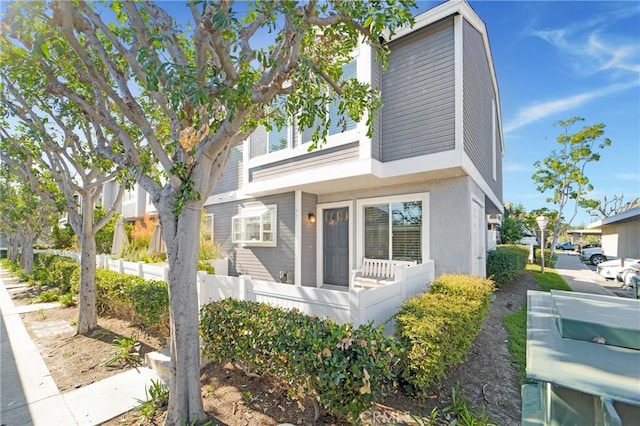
point(48, 136)
point(168, 101)
point(25, 213)
point(600, 209)
point(62, 238)
point(511, 228)
point(562, 172)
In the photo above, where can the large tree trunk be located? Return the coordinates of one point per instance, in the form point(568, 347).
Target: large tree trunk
point(13, 246)
point(87, 316)
point(26, 258)
point(182, 236)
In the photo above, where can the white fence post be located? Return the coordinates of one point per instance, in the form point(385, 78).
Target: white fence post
point(141, 269)
point(400, 277)
point(355, 304)
point(199, 284)
point(165, 274)
point(121, 266)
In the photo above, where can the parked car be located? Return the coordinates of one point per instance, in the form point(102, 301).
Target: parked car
point(611, 268)
point(586, 246)
point(593, 255)
point(626, 273)
point(565, 246)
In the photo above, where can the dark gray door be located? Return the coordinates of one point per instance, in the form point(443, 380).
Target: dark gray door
point(335, 225)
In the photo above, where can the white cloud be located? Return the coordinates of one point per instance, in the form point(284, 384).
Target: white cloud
point(515, 167)
point(542, 110)
point(627, 176)
point(591, 49)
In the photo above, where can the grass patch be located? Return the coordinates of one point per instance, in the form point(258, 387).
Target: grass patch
point(516, 323)
point(549, 280)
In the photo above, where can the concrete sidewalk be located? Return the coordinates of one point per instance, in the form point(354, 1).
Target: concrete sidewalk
point(584, 280)
point(28, 393)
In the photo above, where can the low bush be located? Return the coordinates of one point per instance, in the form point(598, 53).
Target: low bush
point(506, 263)
point(436, 329)
point(133, 298)
point(548, 259)
point(345, 369)
point(13, 267)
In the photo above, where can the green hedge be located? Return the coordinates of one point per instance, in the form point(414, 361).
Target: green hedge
point(548, 260)
point(346, 369)
point(131, 297)
point(437, 329)
point(124, 296)
point(506, 263)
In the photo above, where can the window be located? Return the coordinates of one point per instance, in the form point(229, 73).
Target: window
point(129, 195)
point(339, 123)
point(393, 231)
point(206, 227)
point(278, 139)
point(342, 123)
point(255, 227)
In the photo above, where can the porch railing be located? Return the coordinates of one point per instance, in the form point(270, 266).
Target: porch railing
point(355, 305)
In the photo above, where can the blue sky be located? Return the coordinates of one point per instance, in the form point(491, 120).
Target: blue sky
point(559, 59)
point(555, 60)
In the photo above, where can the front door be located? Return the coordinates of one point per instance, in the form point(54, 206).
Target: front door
point(335, 229)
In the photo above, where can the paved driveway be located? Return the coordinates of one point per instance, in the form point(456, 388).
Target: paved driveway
point(583, 278)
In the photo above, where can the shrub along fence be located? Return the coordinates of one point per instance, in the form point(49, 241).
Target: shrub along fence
point(128, 297)
point(346, 369)
point(437, 328)
point(506, 263)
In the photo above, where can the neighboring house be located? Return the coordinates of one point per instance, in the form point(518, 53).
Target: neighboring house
point(578, 235)
point(419, 189)
point(620, 234)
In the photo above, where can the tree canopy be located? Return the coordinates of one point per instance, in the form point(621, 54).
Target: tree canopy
point(167, 101)
point(563, 171)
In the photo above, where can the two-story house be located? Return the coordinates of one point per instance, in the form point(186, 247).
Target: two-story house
point(421, 188)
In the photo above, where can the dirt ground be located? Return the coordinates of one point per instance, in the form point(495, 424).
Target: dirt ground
point(486, 378)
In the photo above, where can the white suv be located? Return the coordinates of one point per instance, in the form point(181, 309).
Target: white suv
point(593, 255)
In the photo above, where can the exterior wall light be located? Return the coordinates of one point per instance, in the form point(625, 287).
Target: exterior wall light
point(311, 218)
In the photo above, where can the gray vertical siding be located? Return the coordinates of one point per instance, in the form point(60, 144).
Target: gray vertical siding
point(308, 240)
point(478, 92)
point(263, 263)
point(232, 176)
point(418, 94)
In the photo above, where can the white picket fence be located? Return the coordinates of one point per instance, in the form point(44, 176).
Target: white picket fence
point(354, 305)
point(148, 271)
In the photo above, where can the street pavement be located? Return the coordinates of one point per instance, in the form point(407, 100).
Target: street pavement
point(28, 393)
point(583, 278)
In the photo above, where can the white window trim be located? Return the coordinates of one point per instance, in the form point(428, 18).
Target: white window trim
point(258, 212)
point(130, 195)
point(494, 172)
point(361, 204)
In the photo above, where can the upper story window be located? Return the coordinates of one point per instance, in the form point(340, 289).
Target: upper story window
point(256, 227)
point(342, 123)
point(278, 138)
point(129, 195)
